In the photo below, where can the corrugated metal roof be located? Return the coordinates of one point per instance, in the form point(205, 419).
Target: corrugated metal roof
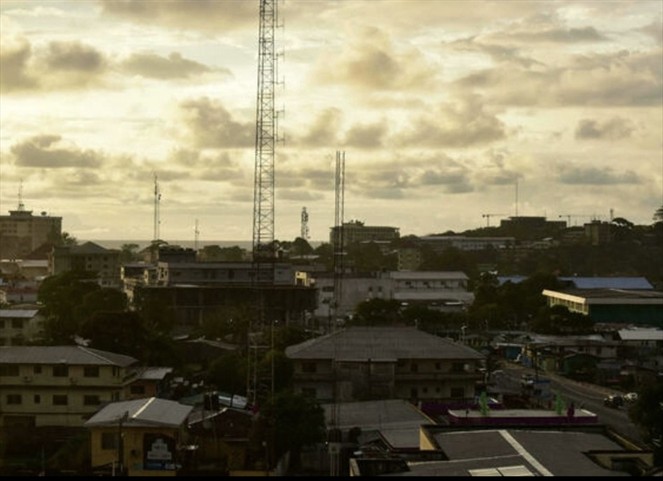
point(640, 334)
point(142, 412)
point(73, 355)
point(18, 313)
point(90, 248)
point(428, 275)
point(154, 373)
point(608, 282)
point(363, 343)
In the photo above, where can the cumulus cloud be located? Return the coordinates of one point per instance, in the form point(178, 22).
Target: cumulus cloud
point(615, 79)
point(210, 125)
point(14, 73)
point(612, 129)
point(172, 67)
point(461, 124)
point(497, 52)
point(53, 152)
point(596, 176)
point(212, 167)
point(366, 136)
point(324, 130)
point(74, 56)
point(206, 15)
point(373, 61)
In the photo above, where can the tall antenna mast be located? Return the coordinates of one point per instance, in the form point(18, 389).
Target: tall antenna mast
point(516, 196)
point(304, 229)
point(21, 205)
point(196, 234)
point(266, 136)
point(157, 219)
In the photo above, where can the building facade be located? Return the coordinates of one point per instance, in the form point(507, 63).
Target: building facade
point(21, 232)
point(18, 326)
point(58, 385)
point(356, 231)
point(87, 257)
point(364, 363)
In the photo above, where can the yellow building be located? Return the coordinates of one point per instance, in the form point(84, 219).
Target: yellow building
point(59, 385)
point(139, 437)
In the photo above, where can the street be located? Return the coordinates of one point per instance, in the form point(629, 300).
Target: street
point(583, 395)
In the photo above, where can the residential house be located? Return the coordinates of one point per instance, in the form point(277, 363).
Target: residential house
point(364, 363)
point(20, 325)
point(141, 437)
point(58, 385)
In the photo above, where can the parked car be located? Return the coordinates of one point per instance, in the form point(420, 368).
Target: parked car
point(614, 401)
point(631, 397)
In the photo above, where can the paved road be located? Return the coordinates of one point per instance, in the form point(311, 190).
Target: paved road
point(583, 395)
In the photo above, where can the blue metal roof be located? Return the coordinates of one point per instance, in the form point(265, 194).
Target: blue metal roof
point(608, 282)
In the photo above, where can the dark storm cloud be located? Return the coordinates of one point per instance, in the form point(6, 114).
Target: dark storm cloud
point(597, 176)
point(51, 151)
point(210, 125)
point(205, 15)
point(612, 129)
point(172, 67)
point(74, 56)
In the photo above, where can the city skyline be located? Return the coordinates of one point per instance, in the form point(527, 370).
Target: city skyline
point(447, 111)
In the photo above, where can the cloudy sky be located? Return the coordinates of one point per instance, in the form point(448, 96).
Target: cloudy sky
point(445, 109)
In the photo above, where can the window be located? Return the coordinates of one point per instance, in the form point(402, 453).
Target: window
point(36, 369)
point(14, 399)
point(61, 370)
point(17, 323)
point(414, 367)
point(438, 366)
point(108, 441)
point(309, 367)
point(457, 392)
point(91, 400)
point(457, 367)
point(37, 399)
point(91, 371)
point(8, 370)
point(60, 400)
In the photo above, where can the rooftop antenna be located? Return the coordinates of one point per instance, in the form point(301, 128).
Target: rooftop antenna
point(21, 205)
point(196, 234)
point(516, 196)
point(157, 200)
point(304, 229)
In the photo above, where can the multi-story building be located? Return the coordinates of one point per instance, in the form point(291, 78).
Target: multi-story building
point(409, 259)
point(20, 325)
point(433, 288)
point(21, 232)
point(356, 231)
point(59, 385)
point(87, 257)
point(612, 305)
point(214, 273)
point(363, 363)
point(465, 243)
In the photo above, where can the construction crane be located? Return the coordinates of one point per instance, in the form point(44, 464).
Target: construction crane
point(488, 216)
